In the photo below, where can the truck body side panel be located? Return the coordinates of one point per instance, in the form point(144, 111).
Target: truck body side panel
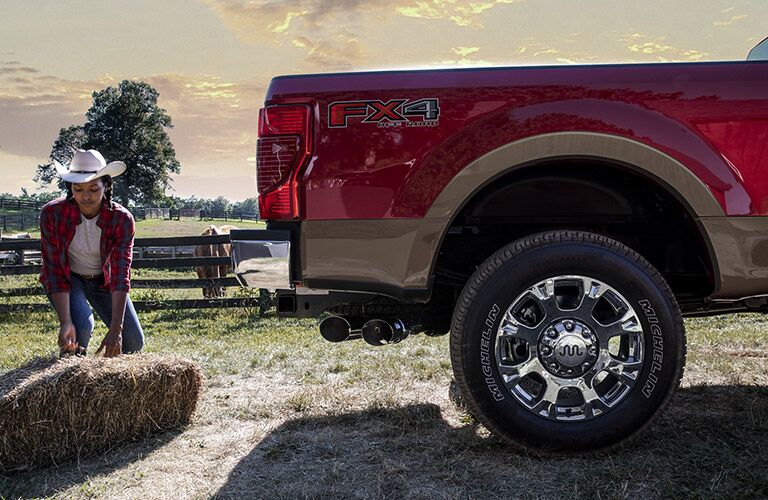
point(710, 117)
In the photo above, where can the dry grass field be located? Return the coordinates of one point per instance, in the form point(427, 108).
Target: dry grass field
point(285, 414)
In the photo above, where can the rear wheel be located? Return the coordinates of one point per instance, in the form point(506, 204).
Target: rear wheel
point(566, 341)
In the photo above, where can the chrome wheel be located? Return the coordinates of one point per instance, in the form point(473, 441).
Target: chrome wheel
point(569, 348)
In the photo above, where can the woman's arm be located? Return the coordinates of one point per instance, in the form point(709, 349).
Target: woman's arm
point(54, 278)
point(67, 334)
point(113, 341)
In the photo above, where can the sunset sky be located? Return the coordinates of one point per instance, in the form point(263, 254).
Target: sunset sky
point(211, 60)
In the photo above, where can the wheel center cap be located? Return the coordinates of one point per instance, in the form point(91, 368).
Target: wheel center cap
point(568, 348)
point(571, 350)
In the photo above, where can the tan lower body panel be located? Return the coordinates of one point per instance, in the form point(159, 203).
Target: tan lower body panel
point(395, 253)
point(741, 248)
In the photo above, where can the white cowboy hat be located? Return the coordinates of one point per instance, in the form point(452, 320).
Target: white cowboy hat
point(87, 166)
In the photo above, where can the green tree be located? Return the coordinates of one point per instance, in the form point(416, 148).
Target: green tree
point(220, 204)
point(69, 139)
point(126, 124)
point(249, 206)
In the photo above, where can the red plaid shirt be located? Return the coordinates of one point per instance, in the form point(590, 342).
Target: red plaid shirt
point(58, 222)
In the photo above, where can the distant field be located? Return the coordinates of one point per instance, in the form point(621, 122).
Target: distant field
point(185, 227)
point(160, 227)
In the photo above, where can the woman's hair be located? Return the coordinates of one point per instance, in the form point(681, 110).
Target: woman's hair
point(106, 181)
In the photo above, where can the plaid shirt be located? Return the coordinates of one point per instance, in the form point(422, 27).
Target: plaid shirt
point(58, 222)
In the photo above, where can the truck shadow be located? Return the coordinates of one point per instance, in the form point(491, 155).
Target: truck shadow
point(712, 441)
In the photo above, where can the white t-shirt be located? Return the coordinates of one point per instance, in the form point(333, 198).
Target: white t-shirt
point(84, 250)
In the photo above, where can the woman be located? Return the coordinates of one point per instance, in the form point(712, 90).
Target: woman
point(87, 240)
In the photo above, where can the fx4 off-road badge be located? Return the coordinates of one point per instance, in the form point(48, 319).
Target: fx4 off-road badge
point(393, 113)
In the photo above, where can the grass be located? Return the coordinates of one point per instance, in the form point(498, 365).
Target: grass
point(292, 415)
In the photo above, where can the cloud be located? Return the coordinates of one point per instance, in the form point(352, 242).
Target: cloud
point(465, 51)
point(313, 25)
point(338, 53)
point(459, 12)
point(212, 118)
point(656, 47)
point(257, 21)
point(33, 107)
point(16, 70)
point(729, 22)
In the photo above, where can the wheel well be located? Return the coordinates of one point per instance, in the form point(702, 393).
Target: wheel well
point(598, 197)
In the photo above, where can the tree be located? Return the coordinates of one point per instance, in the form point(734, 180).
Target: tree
point(69, 139)
point(126, 124)
point(249, 206)
point(220, 204)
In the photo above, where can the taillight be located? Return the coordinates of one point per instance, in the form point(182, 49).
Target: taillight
point(283, 148)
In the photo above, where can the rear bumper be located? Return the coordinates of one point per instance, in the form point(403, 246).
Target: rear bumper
point(261, 258)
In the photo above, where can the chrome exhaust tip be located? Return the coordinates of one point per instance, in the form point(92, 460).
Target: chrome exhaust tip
point(337, 329)
point(378, 332)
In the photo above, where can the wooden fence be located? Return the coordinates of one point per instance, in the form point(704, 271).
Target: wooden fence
point(143, 213)
point(18, 204)
point(146, 256)
point(22, 221)
point(227, 215)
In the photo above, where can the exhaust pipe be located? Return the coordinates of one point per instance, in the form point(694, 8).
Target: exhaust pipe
point(378, 332)
point(338, 329)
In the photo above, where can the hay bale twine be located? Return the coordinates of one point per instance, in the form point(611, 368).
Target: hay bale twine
point(54, 410)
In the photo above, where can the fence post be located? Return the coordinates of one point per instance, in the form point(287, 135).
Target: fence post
point(22, 221)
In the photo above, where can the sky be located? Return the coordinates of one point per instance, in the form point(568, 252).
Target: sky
point(212, 60)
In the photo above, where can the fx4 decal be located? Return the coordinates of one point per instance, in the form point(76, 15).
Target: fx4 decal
point(393, 113)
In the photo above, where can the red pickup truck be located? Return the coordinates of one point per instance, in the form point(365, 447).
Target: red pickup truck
point(559, 222)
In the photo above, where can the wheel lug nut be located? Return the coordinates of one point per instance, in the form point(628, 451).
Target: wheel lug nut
point(585, 333)
point(546, 351)
point(551, 333)
point(569, 326)
point(585, 366)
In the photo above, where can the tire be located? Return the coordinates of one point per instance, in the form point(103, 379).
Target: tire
point(567, 342)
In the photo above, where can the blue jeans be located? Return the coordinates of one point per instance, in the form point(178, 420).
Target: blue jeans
point(85, 292)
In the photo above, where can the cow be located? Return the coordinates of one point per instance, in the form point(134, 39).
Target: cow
point(213, 250)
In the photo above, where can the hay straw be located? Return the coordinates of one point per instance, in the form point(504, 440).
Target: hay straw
point(54, 410)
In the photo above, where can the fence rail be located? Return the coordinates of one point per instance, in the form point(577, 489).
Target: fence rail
point(264, 301)
point(19, 204)
point(190, 213)
point(21, 221)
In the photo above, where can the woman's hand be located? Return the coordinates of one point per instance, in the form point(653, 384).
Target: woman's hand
point(67, 338)
point(112, 343)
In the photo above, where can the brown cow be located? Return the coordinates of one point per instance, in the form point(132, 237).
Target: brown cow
point(214, 250)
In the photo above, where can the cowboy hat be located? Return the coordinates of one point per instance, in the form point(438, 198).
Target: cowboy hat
point(87, 166)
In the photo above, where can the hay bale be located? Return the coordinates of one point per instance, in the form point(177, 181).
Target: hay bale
point(54, 410)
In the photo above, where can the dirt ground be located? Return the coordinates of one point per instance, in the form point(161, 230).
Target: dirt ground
point(270, 436)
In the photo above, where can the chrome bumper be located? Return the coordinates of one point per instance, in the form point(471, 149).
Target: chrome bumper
point(261, 258)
